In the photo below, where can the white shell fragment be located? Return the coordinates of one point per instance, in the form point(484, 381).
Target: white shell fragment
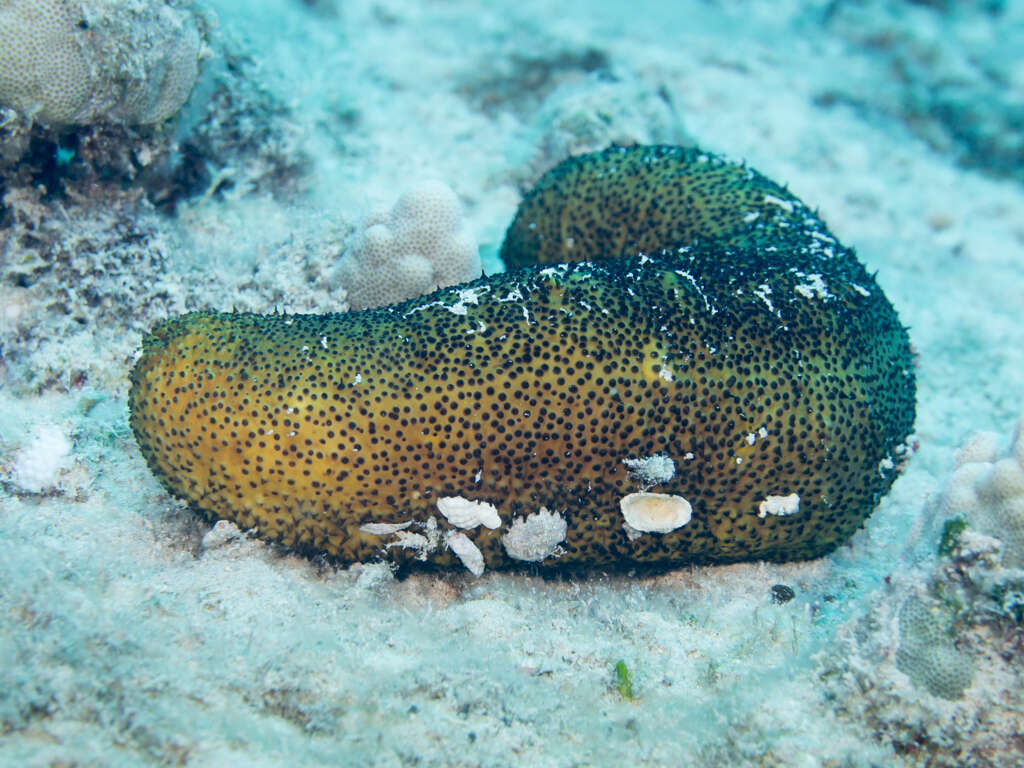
point(424, 543)
point(222, 532)
point(463, 513)
point(416, 541)
point(654, 512)
point(466, 551)
point(779, 505)
point(384, 529)
point(651, 470)
point(536, 537)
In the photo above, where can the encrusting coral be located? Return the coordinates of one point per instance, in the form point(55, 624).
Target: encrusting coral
point(719, 327)
point(927, 653)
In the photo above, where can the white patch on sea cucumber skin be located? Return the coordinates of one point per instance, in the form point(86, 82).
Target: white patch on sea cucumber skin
point(651, 470)
point(464, 513)
point(466, 551)
point(654, 513)
point(384, 529)
point(754, 436)
point(783, 204)
point(692, 279)
point(815, 288)
point(535, 538)
point(860, 290)
point(466, 296)
point(885, 465)
point(358, 379)
point(323, 342)
point(751, 217)
point(666, 374)
point(763, 293)
point(782, 506)
point(688, 456)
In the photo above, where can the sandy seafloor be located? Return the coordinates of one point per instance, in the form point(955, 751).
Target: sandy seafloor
point(123, 641)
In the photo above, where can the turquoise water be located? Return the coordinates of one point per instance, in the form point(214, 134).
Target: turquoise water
point(126, 640)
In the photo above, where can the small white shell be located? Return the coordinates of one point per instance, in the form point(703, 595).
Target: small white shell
point(655, 512)
point(222, 532)
point(463, 513)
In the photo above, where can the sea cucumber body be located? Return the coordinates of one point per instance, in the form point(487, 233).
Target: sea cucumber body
point(757, 366)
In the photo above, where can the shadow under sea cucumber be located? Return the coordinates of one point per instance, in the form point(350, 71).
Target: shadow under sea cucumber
point(682, 365)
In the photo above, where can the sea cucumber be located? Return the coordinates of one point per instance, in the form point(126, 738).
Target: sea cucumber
point(681, 311)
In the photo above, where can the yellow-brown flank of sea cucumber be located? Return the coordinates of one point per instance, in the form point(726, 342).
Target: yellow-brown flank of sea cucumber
point(755, 352)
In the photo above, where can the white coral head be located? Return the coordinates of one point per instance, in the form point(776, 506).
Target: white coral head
point(430, 207)
point(417, 247)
